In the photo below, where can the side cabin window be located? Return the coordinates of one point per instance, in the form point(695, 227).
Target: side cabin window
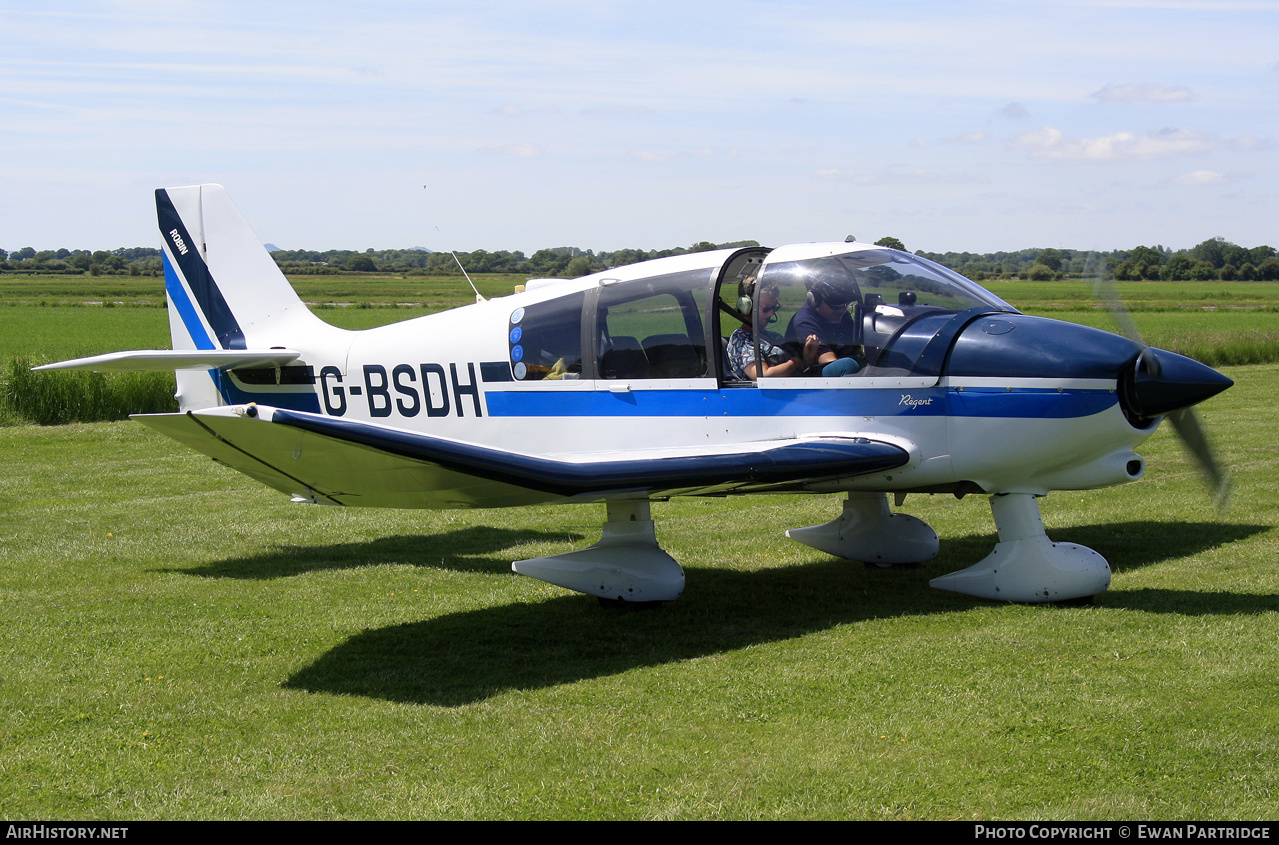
point(545, 339)
point(652, 328)
point(734, 310)
point(870, 311)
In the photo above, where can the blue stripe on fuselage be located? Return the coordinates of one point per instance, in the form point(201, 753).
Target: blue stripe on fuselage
point(1030, 403)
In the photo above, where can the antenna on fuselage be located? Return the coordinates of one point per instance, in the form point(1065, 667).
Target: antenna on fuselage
point(478, 297)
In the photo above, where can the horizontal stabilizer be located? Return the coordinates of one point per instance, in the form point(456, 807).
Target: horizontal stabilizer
point(321, 458)
point(163, 360)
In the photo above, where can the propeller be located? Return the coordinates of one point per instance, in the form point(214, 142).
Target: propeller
point(1167, 384)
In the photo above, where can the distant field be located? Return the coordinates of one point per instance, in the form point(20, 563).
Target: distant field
point(1188, 318)
point(1141, 295)
point(70, 332)
point(1176, 315)
point(435, 292)
point(449, 291)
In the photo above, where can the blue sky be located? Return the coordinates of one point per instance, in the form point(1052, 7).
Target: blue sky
point(974, 126)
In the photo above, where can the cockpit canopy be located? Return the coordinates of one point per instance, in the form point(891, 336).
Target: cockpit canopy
point(881, 306)
point(674, 318)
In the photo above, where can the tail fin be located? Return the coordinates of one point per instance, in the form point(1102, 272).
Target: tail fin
point(229, 307)
point(225, 293)
point(224, 290)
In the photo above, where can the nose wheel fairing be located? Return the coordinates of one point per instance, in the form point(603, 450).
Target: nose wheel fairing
point(1025, 565)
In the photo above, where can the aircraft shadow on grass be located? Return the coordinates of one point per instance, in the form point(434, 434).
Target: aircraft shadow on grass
point(469, 656)
point(464, 550)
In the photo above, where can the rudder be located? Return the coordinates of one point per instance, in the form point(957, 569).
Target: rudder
point(223, 287)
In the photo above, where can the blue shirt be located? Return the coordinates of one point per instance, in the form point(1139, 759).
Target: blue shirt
point(834, 337)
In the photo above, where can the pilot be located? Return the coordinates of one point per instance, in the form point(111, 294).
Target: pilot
point(825, 315)
point(778, 361)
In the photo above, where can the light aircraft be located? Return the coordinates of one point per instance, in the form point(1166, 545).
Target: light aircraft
point(614, 388)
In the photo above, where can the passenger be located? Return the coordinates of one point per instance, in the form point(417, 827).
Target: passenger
point(825, 316)
point(778, 361)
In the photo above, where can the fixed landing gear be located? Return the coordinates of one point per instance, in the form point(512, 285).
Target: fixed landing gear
point(1026, 566)
point(626, 565)
point(868, 531)
point(628, 569)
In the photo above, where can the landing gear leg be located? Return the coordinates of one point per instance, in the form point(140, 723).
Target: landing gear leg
point(626, 565)
point(867, 530)
point(1026, 566)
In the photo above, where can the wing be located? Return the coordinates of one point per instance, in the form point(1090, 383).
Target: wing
point(336, 461)
point(165, 360)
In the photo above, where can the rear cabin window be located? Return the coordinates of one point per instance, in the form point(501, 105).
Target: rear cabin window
point(652, 329)
point(545, 339)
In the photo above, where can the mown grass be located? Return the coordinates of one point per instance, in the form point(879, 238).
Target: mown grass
point(183, 643)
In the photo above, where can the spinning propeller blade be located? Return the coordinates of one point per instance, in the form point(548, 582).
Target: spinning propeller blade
point(1185, 421)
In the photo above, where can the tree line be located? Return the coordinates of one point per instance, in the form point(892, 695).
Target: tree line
point(1213, 259)
point(128, 261)
point(557, 262)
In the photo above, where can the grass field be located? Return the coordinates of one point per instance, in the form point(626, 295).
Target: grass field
point(435, 293)
point(183, 643)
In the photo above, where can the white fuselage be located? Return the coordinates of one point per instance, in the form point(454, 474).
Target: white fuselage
point(448, 375)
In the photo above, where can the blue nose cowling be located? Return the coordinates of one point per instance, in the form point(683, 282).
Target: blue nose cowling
point(1151, 382)
point(1018, 346)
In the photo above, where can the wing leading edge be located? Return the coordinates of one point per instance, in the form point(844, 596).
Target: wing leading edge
point(323, 459)
point(167, 360)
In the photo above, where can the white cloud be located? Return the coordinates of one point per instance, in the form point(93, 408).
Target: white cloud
point(617, 110)
point(1146, 92)
point(1184, 5)
point(516, 150)
point(1050, 142)
point(961, 139)
point(650, 155)
point(964, 138)
point(895, 176)
point(1200, 177)
point(1015, 111)
point(512, 110)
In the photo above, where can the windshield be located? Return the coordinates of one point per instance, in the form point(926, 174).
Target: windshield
point(858, 312)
